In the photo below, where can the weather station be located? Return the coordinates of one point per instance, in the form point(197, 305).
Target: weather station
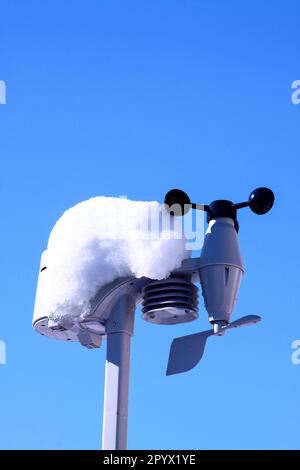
point(169, 301)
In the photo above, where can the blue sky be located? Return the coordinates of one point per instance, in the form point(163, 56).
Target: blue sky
point(134, 98)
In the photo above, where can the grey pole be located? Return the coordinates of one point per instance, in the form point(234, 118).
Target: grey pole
point(119, 329)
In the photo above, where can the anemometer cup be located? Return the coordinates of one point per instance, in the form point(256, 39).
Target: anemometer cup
point(261, 200)
point(177, 202)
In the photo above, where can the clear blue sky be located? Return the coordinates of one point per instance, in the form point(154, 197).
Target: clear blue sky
point(134, 98)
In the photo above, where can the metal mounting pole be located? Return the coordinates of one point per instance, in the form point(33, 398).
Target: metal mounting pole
point(119, 329)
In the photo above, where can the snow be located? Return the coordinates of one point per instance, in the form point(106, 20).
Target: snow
point(104, 238)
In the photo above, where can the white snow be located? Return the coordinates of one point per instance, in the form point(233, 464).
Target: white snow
point(101, 239)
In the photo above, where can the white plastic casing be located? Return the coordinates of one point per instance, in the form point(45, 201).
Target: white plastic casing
point(221, 269)
point(91, 329)
point(41, 322)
